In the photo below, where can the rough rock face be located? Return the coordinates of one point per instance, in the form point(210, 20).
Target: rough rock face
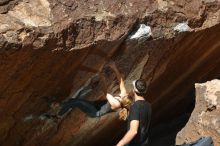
point(53, 47)
point(205, 120)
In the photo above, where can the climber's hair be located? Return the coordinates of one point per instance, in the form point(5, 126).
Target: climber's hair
point(126, 101)
point(140, 87)
point(126, 104)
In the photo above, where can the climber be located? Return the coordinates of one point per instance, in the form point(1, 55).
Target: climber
point(138, 119)
point(124, 99)
point(96, 108)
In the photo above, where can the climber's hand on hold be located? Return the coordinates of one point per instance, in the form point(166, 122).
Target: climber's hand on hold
point(111, 64)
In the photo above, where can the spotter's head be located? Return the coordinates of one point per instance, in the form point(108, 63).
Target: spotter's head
point(139, 87)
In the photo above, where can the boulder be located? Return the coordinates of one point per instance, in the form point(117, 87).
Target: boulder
point(204, 120)
point(53, 47)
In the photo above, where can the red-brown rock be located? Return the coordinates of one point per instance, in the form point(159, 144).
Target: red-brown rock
point(52, 47)
point(204, 120)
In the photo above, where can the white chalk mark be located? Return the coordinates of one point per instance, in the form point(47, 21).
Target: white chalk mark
point(143, 31)
point(182, 27)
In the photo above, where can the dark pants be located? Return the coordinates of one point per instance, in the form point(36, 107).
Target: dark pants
point(92, 109)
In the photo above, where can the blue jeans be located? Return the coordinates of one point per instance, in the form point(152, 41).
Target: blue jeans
point(86, 106)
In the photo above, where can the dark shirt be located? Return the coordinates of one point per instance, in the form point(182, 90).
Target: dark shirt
point(141, 111)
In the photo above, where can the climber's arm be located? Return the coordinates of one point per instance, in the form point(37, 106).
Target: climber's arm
point(114, 101)
point(120, 79)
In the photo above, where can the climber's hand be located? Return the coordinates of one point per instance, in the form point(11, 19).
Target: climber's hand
point(112, 64)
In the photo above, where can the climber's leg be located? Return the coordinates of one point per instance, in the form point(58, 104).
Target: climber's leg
point(85, 106)
point(67, 105)
point(106, 108)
